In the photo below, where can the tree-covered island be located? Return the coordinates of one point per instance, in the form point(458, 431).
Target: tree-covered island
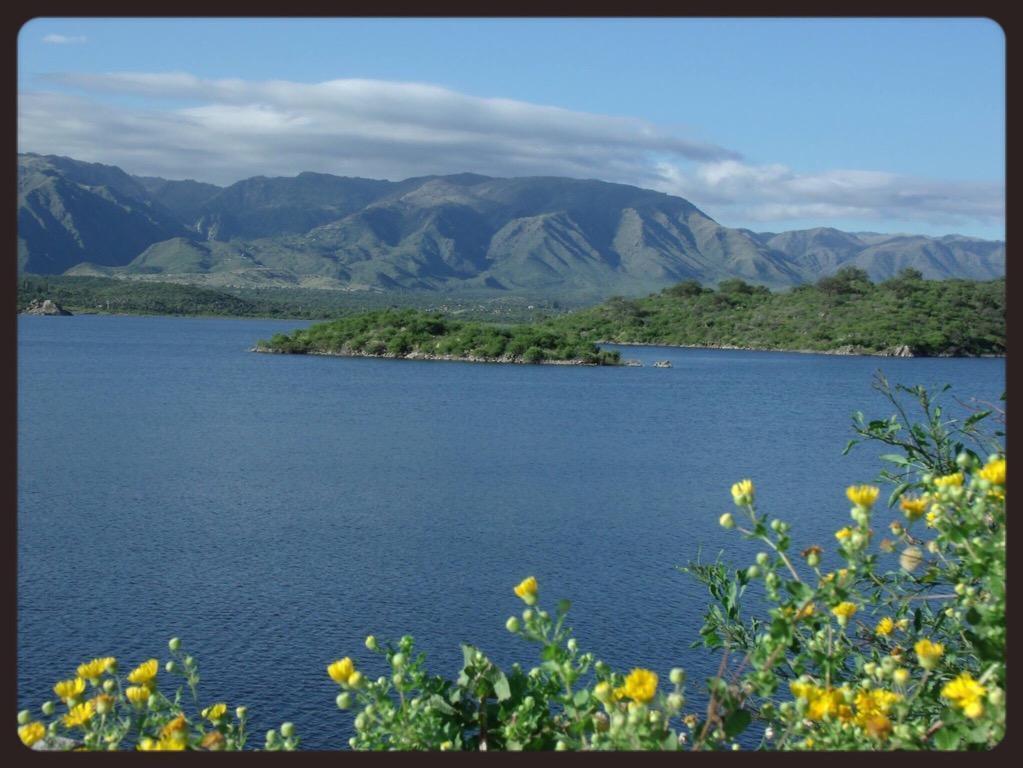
point(413, 334)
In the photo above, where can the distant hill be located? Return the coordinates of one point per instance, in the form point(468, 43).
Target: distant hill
point(543, 235)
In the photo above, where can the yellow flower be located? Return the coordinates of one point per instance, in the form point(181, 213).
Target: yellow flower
point(93, 669)
point(527, 589)
point(862, 495)
point(824, 702)
point(967, 694)
point(914, 508)
point(147, 744)
point(32, 732)
point(885, 627)
point(178, 725)
point(213, 741)
point(873, 703)
point(742, 492)
point(928, 653)
point(994, 472)
point(144, 673)
point(933, 516)
point(844, 610)
point(602, 691)
point(946, 481)
point(341, 671)
point(640, 685)
point(900, 676)
point(214, 712)
point(137, 694)
point(902, 625)
point(878, 726)
point(843, 533)
point(69, 689)
point(80, 714)
point(805, 612)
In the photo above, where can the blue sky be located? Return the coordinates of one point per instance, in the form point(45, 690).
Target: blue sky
point(865, 124)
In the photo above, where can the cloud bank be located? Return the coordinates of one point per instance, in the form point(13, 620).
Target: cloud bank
point(225, 130)
point(64, 39)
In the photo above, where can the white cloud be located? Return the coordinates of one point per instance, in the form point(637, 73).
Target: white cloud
point(64, 39)
point(232, 128)
point(770, 193)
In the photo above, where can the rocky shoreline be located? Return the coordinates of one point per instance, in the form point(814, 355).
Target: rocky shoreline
point(416, 355)
point(898, 351)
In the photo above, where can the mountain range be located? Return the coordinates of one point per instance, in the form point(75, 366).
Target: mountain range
point(547, 235)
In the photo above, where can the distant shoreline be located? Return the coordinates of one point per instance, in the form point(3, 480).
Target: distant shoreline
point(414, 355)
point(840, 351)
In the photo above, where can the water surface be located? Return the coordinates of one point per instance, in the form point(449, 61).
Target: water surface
point(272, 510)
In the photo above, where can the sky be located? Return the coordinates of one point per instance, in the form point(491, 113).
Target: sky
point(883, 125)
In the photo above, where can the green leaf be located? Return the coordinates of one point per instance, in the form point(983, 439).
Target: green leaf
point(438, 703)
point(895, 458)
point(581, 698)
point(737, 722)
point(501, 688)
point(946, 739)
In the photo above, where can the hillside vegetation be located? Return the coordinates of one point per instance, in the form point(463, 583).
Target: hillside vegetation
point(845, 312)
point(559, 238)
point(411, 333)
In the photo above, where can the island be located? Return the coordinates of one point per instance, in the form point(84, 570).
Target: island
point(416, 335)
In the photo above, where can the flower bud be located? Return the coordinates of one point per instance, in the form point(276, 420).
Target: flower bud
point(352, 742)
point(527, 615)
point(675, 702)
point(396, 679)
point(398, 660)
point(356, 679)
point(343, 700)
point(24, 717)
point(572, 645)
point(900, 676)
point(512, 625)
point(271, 737)
point(361, 721)
point(241, 712)
point(174, 643)
point(813, 559)
point(171, 667)
point(189, 662)
point(777, 526)
point(287, 730)
point(911, 558)
point(48, 708)
point(763, 559)
point(152, 702)
point(677, 676)
point(996, 696)
point(752, 572)
point(446, 746)
point(602, 691)
point(560, 746)
point(726, 521)
point(371, 642)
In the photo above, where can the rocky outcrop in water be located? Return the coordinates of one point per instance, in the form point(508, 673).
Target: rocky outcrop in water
point(45, 307)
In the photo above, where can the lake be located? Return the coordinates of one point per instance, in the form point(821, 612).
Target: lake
point(273, 510)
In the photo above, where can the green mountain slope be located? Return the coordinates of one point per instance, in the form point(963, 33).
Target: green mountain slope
point(542, 236)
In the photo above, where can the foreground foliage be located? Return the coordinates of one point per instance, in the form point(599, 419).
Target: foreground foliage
point(899, 643)
point(397, 333)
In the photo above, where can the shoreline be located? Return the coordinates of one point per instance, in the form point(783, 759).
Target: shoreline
point(846, 351)
point(415, 355)
point(841, 351)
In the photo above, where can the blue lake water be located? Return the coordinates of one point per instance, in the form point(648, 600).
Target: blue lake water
point(274, 510)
